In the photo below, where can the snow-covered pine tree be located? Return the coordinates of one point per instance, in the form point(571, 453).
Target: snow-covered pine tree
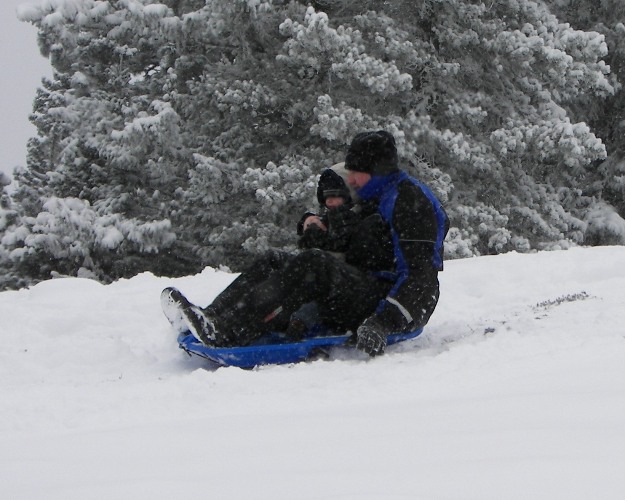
point(605, 216)
point(8, 218)
point(208, 120)
point(480, 91)
point(106, 150)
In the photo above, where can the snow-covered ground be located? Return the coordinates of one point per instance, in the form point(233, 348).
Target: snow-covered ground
point(515, 391)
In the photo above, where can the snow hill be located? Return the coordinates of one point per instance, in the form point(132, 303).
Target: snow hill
point(515, 391)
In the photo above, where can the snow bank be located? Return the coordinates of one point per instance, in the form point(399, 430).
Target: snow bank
point(516, 390)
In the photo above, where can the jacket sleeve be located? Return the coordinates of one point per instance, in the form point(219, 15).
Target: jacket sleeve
point(341, 224)
point(414, 294)
point(414, 222)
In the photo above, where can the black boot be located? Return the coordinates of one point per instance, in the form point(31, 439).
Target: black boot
point(171, 304)
point(201, 326)
point(185, 316)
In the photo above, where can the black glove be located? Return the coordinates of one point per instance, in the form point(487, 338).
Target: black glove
point(371, 334)
point(371, 337)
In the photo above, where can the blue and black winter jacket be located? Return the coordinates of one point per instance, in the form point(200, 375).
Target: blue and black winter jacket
point(418, 225)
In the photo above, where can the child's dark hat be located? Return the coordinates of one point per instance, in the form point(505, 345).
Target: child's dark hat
point(331, 184)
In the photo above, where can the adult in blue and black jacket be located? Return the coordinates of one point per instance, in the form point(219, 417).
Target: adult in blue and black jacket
point(417, 224)
point(387, 283)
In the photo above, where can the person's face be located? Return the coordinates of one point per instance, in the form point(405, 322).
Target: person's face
point(357, 179)
point(334, 201)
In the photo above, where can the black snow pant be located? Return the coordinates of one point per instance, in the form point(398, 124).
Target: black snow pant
point(263, 298)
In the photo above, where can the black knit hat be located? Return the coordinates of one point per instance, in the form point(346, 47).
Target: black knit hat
point(332, 184)
point(374, 153)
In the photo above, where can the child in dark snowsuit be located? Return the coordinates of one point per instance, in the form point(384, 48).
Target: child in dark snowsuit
point(329, 230)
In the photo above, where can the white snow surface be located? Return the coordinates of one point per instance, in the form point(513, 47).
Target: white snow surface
point(515, 390)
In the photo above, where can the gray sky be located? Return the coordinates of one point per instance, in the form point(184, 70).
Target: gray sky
point(22, 70)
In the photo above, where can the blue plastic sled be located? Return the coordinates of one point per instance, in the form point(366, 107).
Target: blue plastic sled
point(274, 348)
